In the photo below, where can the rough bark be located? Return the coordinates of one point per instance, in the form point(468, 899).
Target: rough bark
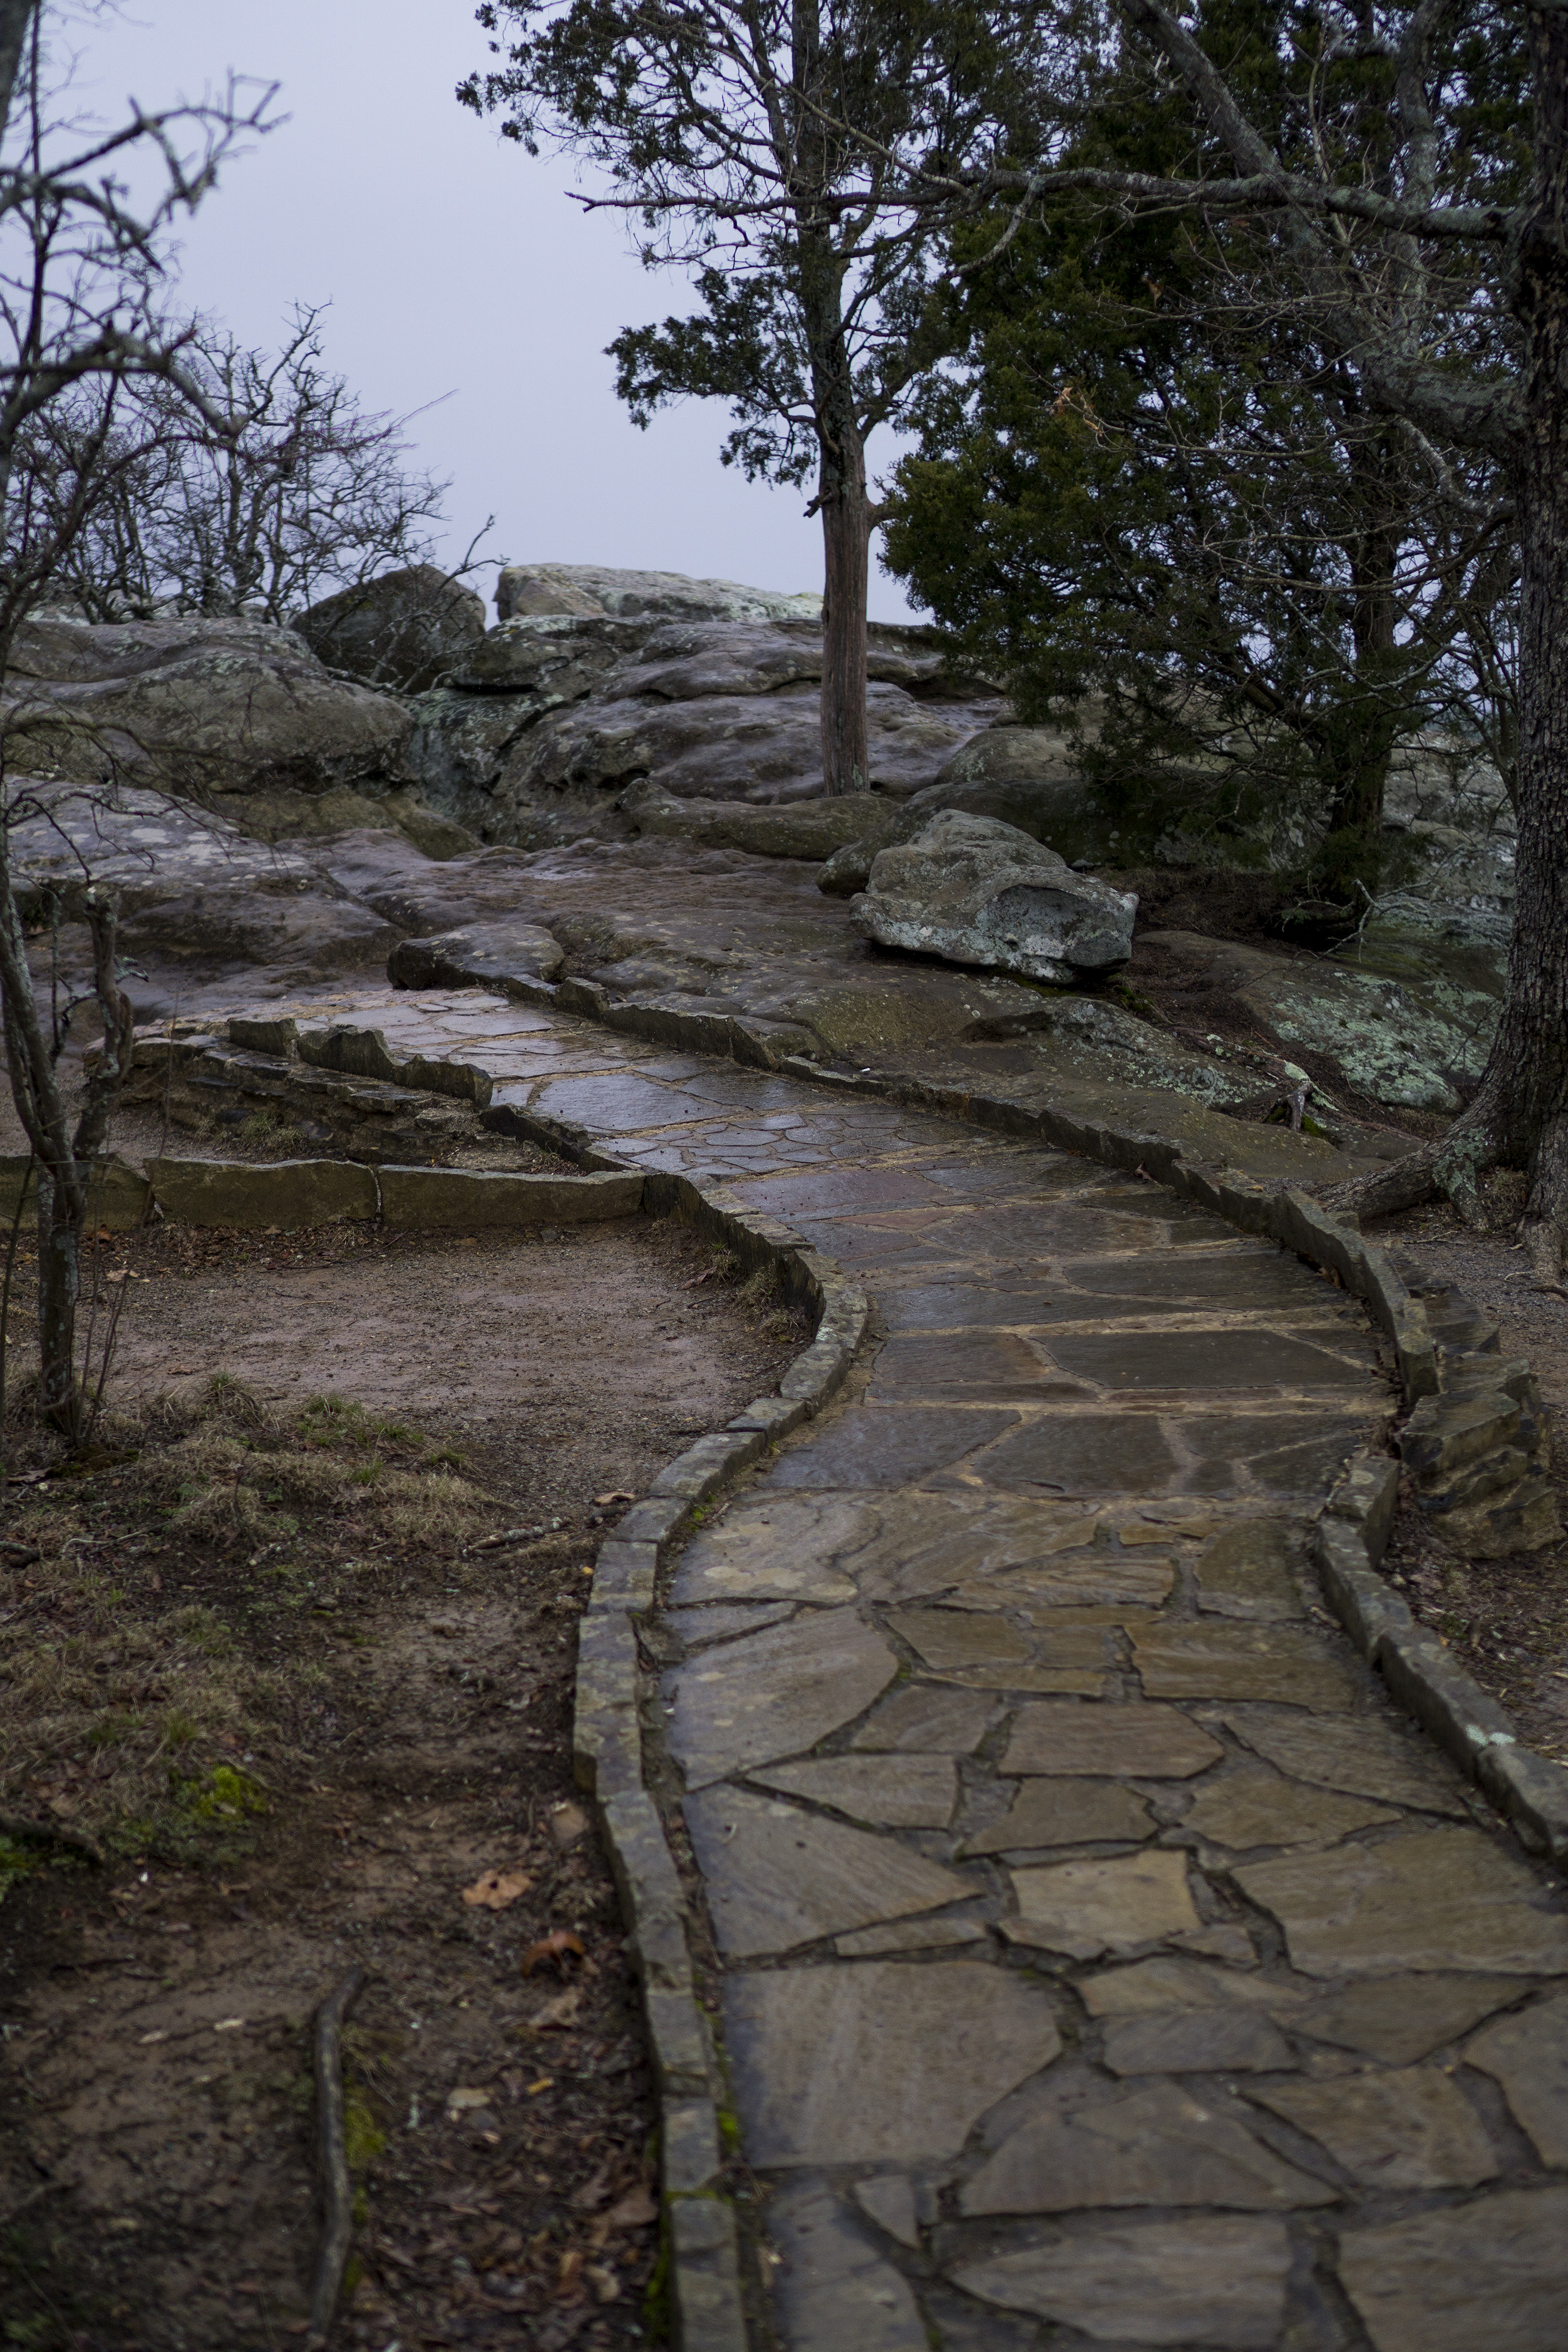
point(845, 534)
point(1519, 1115)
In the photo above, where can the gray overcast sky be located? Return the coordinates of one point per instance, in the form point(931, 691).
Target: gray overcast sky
point(452, 265)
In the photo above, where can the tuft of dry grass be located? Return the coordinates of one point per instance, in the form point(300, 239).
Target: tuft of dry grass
point(138, 1720)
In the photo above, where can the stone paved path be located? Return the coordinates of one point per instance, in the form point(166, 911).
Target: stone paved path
point(1105, 1962)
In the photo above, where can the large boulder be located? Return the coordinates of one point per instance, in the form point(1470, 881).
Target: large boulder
point(403, 630)
point(592, 588)
point(975, 891)
point(231, 708)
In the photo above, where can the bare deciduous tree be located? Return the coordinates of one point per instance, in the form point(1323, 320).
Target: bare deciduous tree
point(82, 270)
point(308, 494)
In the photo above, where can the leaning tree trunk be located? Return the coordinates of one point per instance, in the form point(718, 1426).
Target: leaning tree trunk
point(1520, 1114)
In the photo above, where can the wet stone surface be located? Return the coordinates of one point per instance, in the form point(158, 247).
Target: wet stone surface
point(1104, 1961)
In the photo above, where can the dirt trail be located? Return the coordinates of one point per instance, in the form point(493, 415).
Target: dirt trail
point(400, 1705)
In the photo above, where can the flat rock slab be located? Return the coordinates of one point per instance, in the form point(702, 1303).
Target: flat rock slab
point(1214, 2280)
point(776, 1693)
point(1066, 1812)
point(911, 1792)
point(1246, 1810)
point(1494, 2274)
point(1154, 2146)
point(834, 2286)
point(1370, 1758)
point(1401, 2019)
point(1447, 1898)
point(1215, 1660)
point(1113, 1906)
point(1528, 2056)
point(1414, 2128)
point(1127, 1742)
point(879, 2062)
point(918, 1719)
point(1246, 1572)
point(1196, 2041)
point(778, 1877)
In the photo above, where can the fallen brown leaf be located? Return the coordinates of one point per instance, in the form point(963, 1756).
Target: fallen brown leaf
point(557, 2015)
point(616, 1494)
point(568, 2277)
point(635, 2211)
point(558, 1946)
point(496, 1888)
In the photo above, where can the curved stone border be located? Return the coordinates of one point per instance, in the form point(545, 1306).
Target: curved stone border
point(703, 2240)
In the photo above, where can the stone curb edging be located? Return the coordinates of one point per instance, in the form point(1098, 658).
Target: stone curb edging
point(1466, 1723)
point(702, 2239)
point(285, 1193)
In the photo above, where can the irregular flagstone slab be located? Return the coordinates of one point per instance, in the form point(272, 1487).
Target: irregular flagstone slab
point(773, 1547)
point(979, 1648)
point(1411, 2129)
point(1487, 2277)
point(833, 2287)
point(922, 1541)
point(1401, 2019)
point(698, 1626)
point(917, 1718)
point(1140, 1742)
point(1066, 1812)
point(1253, 1809)
point(1212, 2281)
point(1440, 1899)
point(1244, 1359)
point(1085, 1453)
point(1077, 1579)
point(1290, 1456)
point(945, 1934)
point(888, 1445)
point(1196, 2041)
point(1245, 1573)
point(1160, 2146)
point(1370, 1758)
point(1172, 1981)
point(891, 2202)
point(1528, 2056)
point(778, 1877)
point(1215, 1659)
point(879, 2062)
point(911, 1793)
point(772, 1694)
point(1090, 1907)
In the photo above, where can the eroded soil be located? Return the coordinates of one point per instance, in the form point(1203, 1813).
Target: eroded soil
point(272, 1658)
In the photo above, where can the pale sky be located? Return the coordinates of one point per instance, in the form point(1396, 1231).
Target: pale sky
point(453, 264)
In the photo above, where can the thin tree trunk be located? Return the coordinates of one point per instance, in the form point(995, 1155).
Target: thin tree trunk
point(1519, 1115)
point(846, 537)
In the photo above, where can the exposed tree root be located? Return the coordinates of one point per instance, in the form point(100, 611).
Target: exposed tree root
point(30, 1833)
point(337, 2187)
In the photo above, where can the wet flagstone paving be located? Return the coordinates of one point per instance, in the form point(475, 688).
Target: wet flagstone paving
point(1106, 1963)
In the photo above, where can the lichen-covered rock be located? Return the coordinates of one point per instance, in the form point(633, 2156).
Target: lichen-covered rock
point(589, 588)
point(200, 708)
point(975, 891)
point(400, 631)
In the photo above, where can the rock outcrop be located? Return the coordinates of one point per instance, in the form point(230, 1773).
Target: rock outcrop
point(975, 891)
point(401, 631)
point(591, 588)
point(234, 710)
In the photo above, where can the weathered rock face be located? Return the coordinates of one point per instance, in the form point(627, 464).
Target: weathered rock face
point(975, 891)
point(543, 724)
point(230, 708)
point(401, 631)
point(590, 588)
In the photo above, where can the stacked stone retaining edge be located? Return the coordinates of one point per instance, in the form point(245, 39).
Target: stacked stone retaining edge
point(702, 2242)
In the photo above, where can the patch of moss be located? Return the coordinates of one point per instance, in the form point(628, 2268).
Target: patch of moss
point(226, 1794)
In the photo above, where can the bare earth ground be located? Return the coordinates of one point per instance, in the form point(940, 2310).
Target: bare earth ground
point(269, 1657)
point(1507, 1619)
